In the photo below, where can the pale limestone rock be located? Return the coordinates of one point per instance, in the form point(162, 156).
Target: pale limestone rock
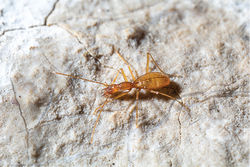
point(46, 119)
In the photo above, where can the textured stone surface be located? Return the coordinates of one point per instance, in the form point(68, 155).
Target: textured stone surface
point(46, 119)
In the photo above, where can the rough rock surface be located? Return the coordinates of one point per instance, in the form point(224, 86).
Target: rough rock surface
point(46, 119)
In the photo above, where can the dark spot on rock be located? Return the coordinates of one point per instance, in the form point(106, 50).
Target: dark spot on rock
point(58, 118)
point(37, 152)
point(201, 7)
point(137, 36)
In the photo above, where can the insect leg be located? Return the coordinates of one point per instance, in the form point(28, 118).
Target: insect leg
point(100, 109)
point(137, 114)
point(148, 54)
point(106, 101)
point(147, 66)
point(115, 77)
point(101, 106)
point(130, 70)
point(124, 75)
point(170, 75)
point(93, 131)
point(171, 97)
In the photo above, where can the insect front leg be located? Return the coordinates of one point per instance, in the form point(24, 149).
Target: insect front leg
point(100, 109)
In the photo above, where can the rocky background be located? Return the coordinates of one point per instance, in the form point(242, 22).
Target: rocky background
point(47, 119)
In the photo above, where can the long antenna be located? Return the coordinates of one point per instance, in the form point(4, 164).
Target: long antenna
point(76, 77)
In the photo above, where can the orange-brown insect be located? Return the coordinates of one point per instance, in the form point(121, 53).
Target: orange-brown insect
point(150, 81)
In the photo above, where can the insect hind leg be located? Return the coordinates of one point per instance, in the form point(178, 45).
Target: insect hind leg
point(173, 98)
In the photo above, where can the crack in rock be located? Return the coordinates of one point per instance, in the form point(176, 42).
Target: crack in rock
point(33, 26)
point(24, 121)
point(51, 11)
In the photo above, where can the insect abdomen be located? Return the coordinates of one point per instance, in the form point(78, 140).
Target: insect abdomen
point(152, 81)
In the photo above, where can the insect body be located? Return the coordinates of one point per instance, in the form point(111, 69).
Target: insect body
point(150, 81)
